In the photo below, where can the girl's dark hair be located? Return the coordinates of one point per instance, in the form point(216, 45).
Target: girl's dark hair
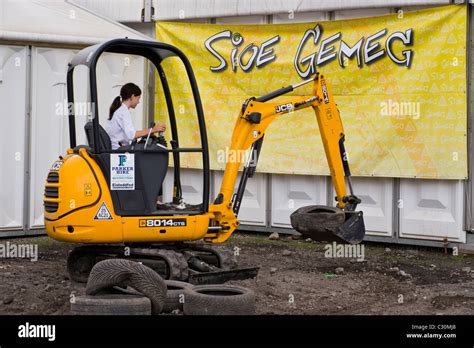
point(126, 92)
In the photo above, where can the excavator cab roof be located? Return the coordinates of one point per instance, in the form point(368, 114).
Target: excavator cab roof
point(156, 52)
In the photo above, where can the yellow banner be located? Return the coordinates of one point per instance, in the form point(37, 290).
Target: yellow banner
point(399, 81)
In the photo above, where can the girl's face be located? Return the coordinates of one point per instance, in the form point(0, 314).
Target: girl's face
point(134, 100)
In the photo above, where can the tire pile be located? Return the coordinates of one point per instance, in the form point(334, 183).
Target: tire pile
point(124, 287)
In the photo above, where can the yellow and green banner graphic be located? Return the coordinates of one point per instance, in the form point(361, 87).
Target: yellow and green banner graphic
point(399, 81)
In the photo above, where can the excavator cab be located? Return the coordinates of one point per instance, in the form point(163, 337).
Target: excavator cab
point(150, 154)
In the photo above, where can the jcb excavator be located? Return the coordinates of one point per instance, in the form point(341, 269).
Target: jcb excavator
point(107, 199)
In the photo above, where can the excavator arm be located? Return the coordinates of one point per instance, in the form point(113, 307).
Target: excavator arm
point(254, 118)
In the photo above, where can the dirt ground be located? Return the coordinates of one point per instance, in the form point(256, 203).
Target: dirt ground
point(295, 278)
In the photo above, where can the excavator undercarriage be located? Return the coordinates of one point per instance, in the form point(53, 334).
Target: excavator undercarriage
point(190, 262)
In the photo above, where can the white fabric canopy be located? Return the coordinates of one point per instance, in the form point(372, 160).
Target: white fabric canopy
point(57, 21)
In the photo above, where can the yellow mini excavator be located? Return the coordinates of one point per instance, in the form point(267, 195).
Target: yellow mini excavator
point(106, 199)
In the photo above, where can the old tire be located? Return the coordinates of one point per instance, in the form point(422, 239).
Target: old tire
point(174, 294)
point(111, 304)
point(112, 272)
point(219, 300)
point(119, 289)
point(317, 219)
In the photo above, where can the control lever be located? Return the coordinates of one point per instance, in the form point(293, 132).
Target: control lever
point(132, 145)
point(152, 125)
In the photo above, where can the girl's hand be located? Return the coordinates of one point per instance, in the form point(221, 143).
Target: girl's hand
point(159, 128)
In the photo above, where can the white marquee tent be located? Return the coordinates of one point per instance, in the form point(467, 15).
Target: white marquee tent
point(38, 38)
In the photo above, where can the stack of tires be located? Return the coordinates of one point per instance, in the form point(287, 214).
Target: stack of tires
point(124, 287)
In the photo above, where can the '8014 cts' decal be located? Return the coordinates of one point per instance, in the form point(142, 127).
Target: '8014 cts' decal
point(161, 222)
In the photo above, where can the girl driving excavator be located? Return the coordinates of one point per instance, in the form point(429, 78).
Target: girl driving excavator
point(119, 125)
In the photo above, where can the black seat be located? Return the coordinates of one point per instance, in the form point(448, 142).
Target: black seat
point(104, 139)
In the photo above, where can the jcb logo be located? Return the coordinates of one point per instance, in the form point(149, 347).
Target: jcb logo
point(284, 107)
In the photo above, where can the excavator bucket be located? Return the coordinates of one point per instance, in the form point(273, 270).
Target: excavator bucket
point(353, 228)
point(329, 224)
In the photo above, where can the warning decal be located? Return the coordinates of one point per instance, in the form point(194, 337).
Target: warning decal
point(103, 213)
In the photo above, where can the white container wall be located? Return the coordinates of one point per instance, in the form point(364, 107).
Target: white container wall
point(168, 186)
point(48, 123)
point(376, 195)
point(377, 204)
point(254, 202)
point(432, 209)
point(13, 97)
point(49, 135)
point(290, 192)
point(191, 185)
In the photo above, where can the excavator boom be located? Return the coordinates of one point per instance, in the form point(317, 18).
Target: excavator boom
point(253, 120)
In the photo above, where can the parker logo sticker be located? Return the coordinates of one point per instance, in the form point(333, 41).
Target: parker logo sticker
point(122, 171)
point(103, 213)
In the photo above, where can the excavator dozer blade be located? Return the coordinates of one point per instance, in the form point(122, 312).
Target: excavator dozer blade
point(220, 277)
point(329, 224)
